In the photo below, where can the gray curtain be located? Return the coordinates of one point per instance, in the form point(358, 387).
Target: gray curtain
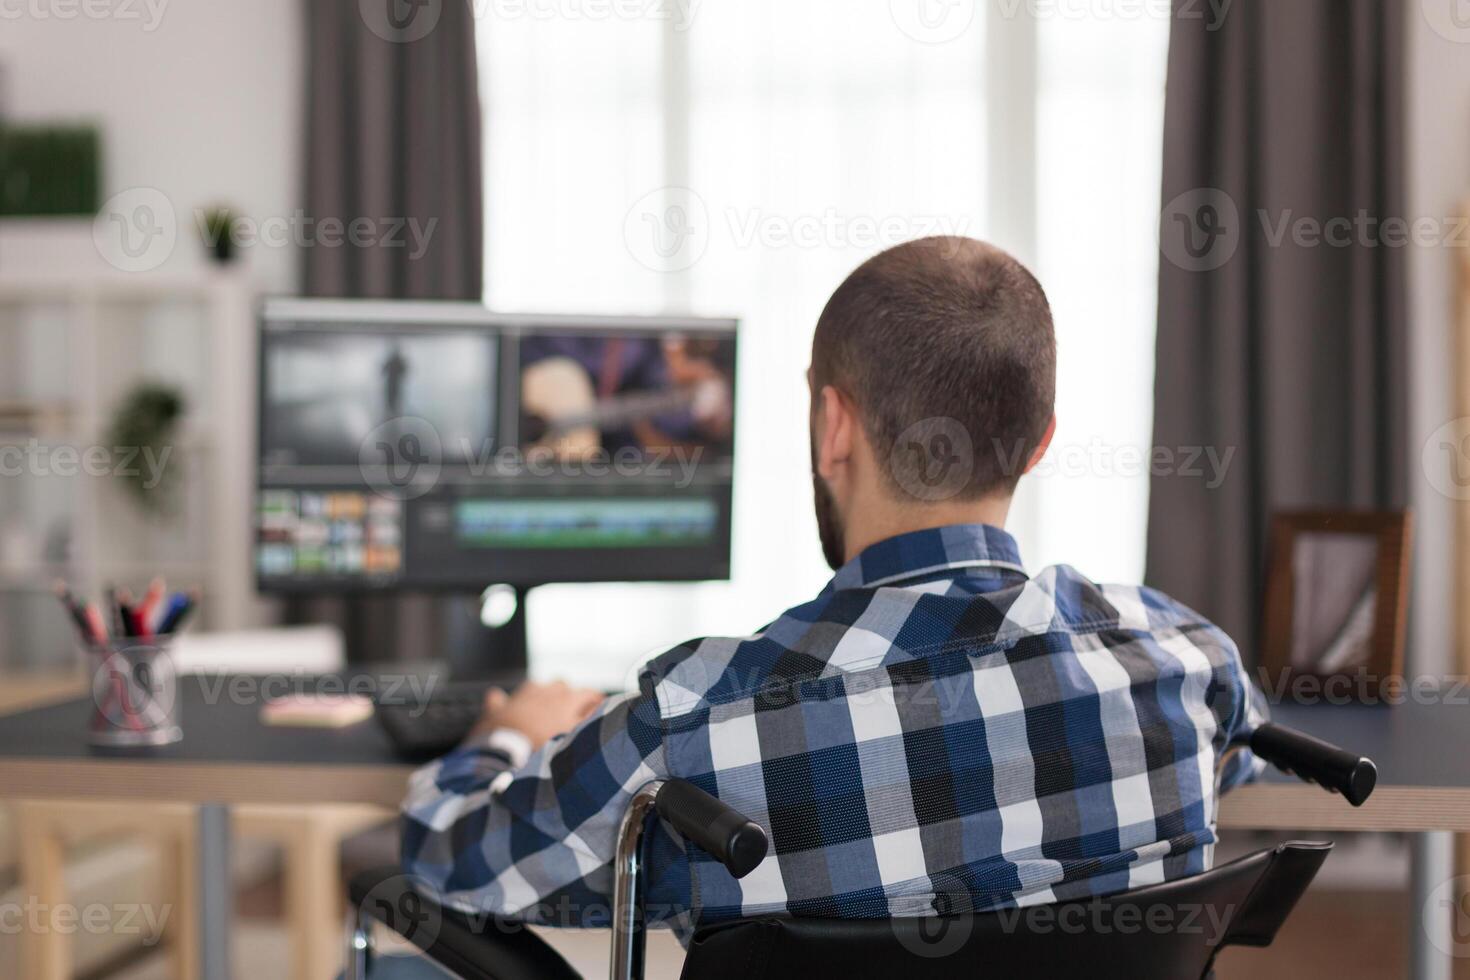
point(393, 136)
point(1281, 346)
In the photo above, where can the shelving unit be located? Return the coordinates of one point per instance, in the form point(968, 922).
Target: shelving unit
point(70, 350)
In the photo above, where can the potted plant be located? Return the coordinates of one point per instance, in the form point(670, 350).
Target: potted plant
point(219, 227)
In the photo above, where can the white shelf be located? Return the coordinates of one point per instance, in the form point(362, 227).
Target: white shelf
point(77, 344)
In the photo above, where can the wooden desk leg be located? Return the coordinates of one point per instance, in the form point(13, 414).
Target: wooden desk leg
point(183, 920)
point(314, 901)
point(45, 951)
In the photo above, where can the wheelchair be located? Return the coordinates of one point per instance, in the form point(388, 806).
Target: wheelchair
point(1138, 934)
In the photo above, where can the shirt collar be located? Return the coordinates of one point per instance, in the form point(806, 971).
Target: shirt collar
point(931, 551)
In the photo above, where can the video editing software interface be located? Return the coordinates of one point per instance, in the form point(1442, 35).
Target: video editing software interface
point(439, 446)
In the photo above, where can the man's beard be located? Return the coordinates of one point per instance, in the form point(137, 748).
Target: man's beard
point(829, 524)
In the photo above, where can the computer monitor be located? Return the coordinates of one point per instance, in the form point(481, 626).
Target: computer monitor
point(439, 446)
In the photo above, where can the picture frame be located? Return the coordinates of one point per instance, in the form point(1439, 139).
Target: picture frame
point(1336, 603)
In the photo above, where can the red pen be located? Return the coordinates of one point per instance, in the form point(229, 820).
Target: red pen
point(145, 613)
point(96, 627)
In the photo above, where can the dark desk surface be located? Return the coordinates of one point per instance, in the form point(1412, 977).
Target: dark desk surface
point(227, 755)
point(219, 727)
point(1424, 745)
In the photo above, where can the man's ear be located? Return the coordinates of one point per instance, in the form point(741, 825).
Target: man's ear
point(1042, 446)
point(835, 432)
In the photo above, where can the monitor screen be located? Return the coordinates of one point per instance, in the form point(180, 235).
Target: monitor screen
point(439, 446)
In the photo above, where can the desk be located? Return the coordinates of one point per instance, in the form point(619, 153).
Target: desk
point(228, 758)
point(1423, 789)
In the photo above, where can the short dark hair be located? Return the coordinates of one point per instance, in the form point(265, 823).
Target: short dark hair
point(949, 332)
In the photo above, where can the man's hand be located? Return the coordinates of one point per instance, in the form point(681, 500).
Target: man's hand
point(538, 711)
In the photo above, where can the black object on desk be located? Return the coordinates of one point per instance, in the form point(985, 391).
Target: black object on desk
point(430, 727)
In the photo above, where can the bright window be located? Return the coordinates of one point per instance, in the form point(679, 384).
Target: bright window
point(786, 142)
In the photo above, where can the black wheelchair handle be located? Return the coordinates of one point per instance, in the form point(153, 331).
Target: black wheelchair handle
point(735, 841)
point(1316, 761)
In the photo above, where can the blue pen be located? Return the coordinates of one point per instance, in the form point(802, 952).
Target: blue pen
point(178, 604)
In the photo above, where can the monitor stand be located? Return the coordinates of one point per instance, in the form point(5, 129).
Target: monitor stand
point(477, 652)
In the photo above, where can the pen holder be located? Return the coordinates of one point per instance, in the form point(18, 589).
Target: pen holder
point(135, 693)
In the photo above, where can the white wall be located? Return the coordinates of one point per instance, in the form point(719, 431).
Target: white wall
point(201, 99)
point(1437, 158)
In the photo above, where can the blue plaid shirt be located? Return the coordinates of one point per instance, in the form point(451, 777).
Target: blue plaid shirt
point(934, 731)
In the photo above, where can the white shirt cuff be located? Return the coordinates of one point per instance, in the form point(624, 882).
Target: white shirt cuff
point(515, 745)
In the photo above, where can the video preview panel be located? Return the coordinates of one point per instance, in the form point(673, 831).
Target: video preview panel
point(620, 393)
point(325, 393)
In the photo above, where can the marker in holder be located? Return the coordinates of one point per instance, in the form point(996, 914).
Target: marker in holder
point(135, 689)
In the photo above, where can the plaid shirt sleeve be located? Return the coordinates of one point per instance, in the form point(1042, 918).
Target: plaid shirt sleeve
point(493, 831)
point(1250, 713)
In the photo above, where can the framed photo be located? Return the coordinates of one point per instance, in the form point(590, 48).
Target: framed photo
point(1337, 586)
